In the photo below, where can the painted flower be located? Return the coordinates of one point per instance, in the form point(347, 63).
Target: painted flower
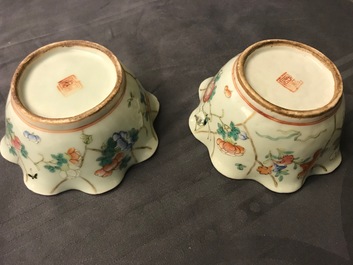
point(308, 165)
point(263, 170)
point(107, 170)
point(69, 171)
point(112, 153)
point(16, 143)
point(122, 140)
point(211, 87)
point(209, 91)
point(229, 148)
point(70, 174)
point(74, 156)
point(227, 92)
point(86, 138)
point(243, 136)
point(287, 159)
point(278, 168)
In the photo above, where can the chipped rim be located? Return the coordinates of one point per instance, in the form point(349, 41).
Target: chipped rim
point(338, 85)
point(31, 117)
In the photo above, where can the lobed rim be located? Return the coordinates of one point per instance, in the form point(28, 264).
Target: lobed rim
point(239, 67)
point(26, 113)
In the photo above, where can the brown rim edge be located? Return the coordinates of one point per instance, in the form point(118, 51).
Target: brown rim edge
point(338, 85)
point(67, 120)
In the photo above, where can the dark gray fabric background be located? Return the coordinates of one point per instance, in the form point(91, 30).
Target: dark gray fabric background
point(175, 208)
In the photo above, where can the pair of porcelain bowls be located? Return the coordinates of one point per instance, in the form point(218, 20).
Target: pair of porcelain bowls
point(76, 118)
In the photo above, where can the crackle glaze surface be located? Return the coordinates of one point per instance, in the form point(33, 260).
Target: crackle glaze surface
point(247, 141)
point(91, 157)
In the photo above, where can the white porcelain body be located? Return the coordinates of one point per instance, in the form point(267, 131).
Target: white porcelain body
point(91, 155)
point(247, 141)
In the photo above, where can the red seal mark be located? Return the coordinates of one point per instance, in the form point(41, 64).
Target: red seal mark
point(69, 85)
point(287, 81)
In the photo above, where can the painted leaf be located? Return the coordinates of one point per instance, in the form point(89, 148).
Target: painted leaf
point(221, 131)
point(124, 162)
point(142, 98)
point(240, 166)
point(50, 168)
point(9, 128)
point(133, 133)
point(24, 152)
point(234, 132)
point(12, 151)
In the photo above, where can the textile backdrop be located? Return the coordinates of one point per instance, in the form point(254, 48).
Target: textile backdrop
point(175, 208)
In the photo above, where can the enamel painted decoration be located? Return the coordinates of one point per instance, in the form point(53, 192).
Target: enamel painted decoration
point(76, 118)
point(273, 114)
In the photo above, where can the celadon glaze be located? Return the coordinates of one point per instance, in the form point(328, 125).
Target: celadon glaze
point(272, 114)
point(77, 119)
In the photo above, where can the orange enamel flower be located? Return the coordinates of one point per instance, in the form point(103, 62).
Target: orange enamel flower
point(287, 159)
point(263, 170)
point(227, 92)
point(107, 170)
point(229, 148)
point(306, 167)
point(75, 156)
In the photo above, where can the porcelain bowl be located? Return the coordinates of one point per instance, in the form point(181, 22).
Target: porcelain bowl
point(273, 114)
point(76, 118)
